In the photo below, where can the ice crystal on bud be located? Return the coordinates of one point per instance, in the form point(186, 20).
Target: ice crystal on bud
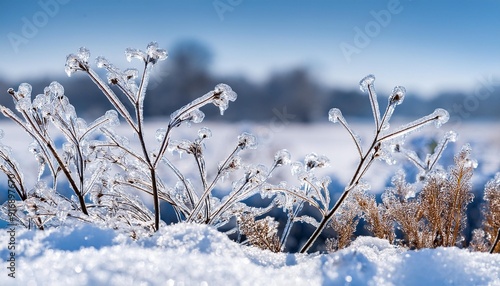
point(256, 174)
point(365, 82)
point(247, 141)
point(451, 136)
point(442, 116)
point(131, 53)
point(77, 62)
point(24, 90)
point(334, 115)
point(312, 160)
point(56, 89)
point(397, 95)
point(296, 168)
point(282, 158)
point(72, 64)
point(131, 73)
point(101, 62)
point(160, 134)
point(234, 164)
point(154, 53)
point(84, 54)
point(204, 133)
point(222, 95)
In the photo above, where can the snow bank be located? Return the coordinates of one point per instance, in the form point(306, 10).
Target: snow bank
point(186, 254)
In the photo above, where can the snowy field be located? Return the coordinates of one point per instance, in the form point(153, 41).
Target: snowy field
point(184, 254)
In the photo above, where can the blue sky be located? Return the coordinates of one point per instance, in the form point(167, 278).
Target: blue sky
point(427, 46)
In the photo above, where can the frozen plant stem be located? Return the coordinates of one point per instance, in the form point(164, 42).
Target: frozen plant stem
point(43, 139)
point(137, 127)
point(439, 116)
point(495, 242)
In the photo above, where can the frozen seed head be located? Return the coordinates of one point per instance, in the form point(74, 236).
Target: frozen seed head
point(442, 116)
point(101, 62)
point(77, 62)
point(160, 134)
point(225, 91)
point(257, 173)
point(204, 133)
point(282, 158)
point(451, 136)
point(131, 73)
point(223, 94)
point(56, 89)
point(397, 96)
point(131, 53)
point(155, 54)
point(24, 90)
point(72, 64)
point(234, 164)
point(366, 82)
point(312, 160)
point(247, 141)
point(334, 115)
point(84, 54)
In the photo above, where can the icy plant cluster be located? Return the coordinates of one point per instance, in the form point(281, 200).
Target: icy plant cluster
point(109, 177)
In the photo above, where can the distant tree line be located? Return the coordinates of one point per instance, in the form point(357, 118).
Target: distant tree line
point(186, 75)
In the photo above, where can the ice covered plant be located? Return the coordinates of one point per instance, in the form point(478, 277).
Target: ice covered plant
point(44, 118)
point(103, 168)
point(382, 145)
point(146, 162)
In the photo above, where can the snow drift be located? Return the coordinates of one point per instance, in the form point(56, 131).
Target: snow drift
point(190, 254)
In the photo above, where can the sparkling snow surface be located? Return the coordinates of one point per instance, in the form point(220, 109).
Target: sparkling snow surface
point(186, 254)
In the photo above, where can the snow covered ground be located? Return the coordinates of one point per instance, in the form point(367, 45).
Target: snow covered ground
point(186, 254)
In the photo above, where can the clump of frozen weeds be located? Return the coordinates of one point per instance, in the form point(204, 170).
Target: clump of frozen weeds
point(105, 171)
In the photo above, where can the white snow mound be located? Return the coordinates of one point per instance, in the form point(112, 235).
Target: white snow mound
point(189, 254)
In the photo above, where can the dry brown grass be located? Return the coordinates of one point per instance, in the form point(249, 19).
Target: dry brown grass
point(260, 233)
point(435, 217)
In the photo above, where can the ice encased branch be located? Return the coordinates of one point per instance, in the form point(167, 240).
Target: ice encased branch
point(366, 85)
point(439, 117)
point(335, 115)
